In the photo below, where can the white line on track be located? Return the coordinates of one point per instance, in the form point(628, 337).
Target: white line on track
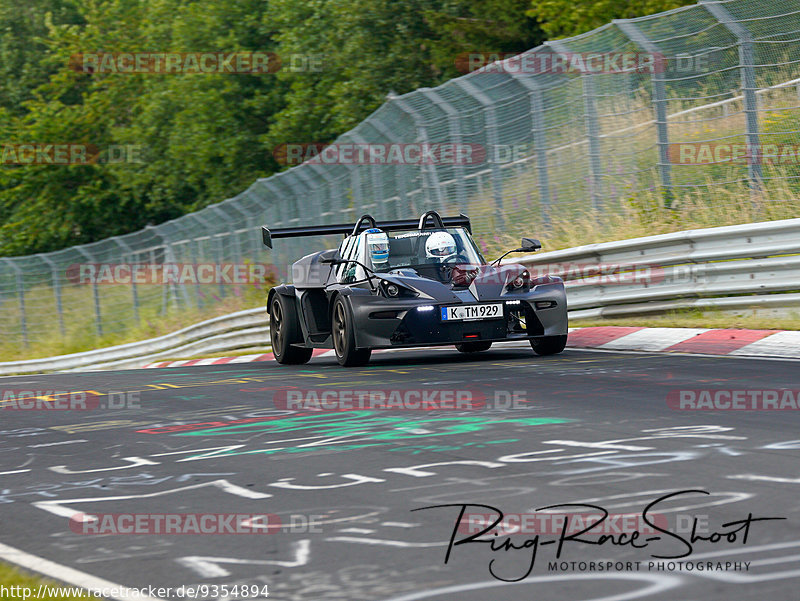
point(658, 583)
point(68, 575)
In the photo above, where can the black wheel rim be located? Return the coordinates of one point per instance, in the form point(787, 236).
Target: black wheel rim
point(339, 329)
point(277, 326)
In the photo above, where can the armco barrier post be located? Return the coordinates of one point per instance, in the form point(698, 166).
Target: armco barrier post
point(749, 87)
point(659, 100)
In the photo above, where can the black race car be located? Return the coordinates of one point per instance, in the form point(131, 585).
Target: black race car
point(409, 283)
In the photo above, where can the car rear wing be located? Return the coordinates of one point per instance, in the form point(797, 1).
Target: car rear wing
point(428, 220)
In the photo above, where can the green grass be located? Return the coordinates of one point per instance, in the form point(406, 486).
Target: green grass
point(12, 576)
point(120, 326)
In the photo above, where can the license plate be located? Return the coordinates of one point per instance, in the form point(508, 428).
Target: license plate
point(471, 312)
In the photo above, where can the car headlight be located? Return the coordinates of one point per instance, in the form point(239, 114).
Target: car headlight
point(519, 282)
point(392, 290)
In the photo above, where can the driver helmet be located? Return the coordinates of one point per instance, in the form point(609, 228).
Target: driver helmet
point(378, 246)
point(440, 246)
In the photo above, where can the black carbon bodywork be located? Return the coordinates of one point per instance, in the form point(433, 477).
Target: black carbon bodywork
point(413, 317)
point(411, 327)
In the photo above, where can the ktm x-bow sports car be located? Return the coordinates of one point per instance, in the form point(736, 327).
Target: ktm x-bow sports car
point(409, 283)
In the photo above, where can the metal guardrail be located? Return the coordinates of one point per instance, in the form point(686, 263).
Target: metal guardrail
point(735, 267)
point(238, 330)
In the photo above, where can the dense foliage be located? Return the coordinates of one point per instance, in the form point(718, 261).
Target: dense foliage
point(206, 137)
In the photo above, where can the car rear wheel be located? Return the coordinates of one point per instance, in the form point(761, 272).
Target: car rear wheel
point(473, 347)
point(549, 345)
point(344, 337)
point(284, 330)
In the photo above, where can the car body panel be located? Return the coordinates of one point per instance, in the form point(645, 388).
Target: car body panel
point(382, 321)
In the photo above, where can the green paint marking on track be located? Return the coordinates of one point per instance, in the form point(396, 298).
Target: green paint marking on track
point(368, 428)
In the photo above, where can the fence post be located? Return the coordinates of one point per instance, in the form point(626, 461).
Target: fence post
point(134, 291)
point(97, 314)
point(491, 137)
point(454, 129)
point(231, 231)
point(217, 241)
point(659, 99)
point(402, 192)
point(177, 224)
point(325, 206)
point(249, 225)
point(422, 136)
point(21, 296)
point(283, 215)
point(358, 139)
point(749, 88)
point(56, 290)
point(592, 127)
point(539, 138)
point(290, 214)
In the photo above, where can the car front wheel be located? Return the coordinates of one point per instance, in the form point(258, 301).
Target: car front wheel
point(284, 330)
point(344, 337)
point(549, 345)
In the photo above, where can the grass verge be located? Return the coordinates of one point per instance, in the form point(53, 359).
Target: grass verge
point(11, 576)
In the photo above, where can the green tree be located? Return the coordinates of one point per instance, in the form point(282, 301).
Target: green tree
point(565, 18)
point(371, 47)
point(200, 132)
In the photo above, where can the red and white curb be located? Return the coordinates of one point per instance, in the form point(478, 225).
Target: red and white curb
point(703, 341)
point(747, 343)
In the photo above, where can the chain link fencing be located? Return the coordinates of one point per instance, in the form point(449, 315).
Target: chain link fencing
point(684, 113)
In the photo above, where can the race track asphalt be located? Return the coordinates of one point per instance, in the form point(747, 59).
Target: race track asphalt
point(583, 427)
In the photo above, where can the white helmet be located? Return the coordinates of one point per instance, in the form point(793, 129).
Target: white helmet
point(440, 246)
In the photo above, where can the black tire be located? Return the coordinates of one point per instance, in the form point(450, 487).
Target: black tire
point(284, 330)
point(344, 337)
point(549, 345)
point(473, 347)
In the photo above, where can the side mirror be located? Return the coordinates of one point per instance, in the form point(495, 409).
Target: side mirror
point(530, 244)
point(329, 257)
